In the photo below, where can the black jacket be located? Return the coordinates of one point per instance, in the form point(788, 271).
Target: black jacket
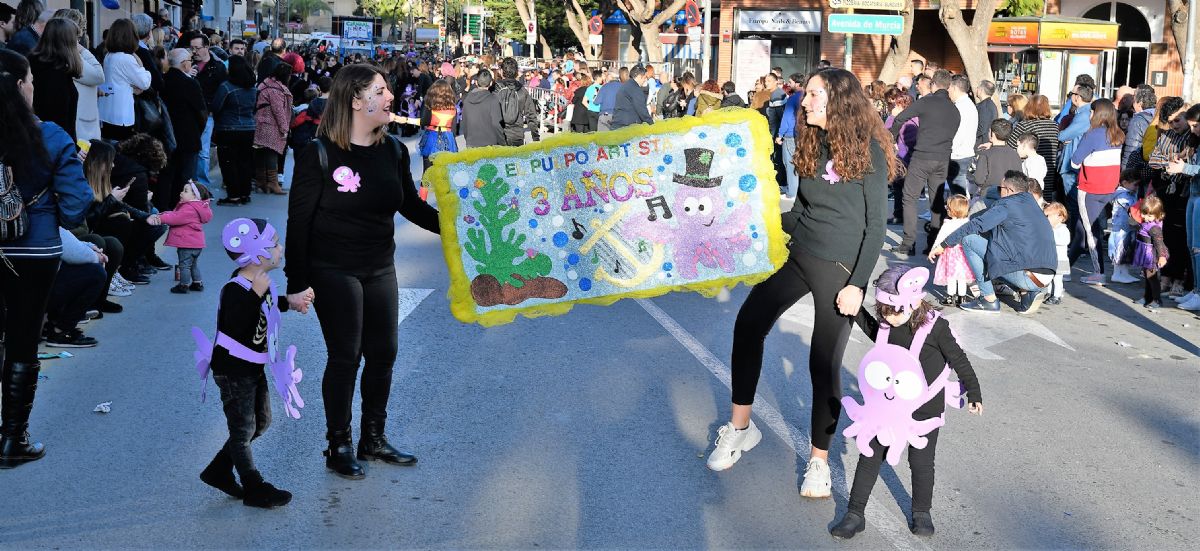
point(733, 100)
point(59, 100)
point(481, 124)
point(189, 112)
point(987, 113)
point(514, 133)
point(631, 105)
point(156, 76)
point(939, 122)
point(210, 78)
point(128, 172)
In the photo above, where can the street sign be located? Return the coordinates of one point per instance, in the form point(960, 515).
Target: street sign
point(692, 12)
point(596, 25)
point(531, 33)
point(889, 5)
point(866, 24)
point(595, 39)
point(293, 26)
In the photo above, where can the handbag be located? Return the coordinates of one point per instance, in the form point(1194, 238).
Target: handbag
point(14, 220)
point(148, 117)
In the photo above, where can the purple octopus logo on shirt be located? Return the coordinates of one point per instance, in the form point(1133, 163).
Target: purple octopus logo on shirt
point(831, 176)
point(347, 180)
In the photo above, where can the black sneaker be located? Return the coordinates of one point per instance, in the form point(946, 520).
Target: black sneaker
point(981, 305)
point(230, 202)
point(902, 250)
point(157, 263)
point(850, 525)
point(1053, 301)
point(921, 524)
point(110, 307)
point(1030, 302)
point(179, 289)
point(135, 278)
point(196, 286)
point(69, 339)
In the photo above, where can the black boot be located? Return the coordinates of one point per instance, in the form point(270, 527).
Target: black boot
point(219, 475)
point(260, 493)
point(340, 456)
point(922, 524)
point(851, 525)
point(18, 383)
point(374, 445)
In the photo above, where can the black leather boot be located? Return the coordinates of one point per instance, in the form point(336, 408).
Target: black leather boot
point(18, 383)
point(340, 456)
point(219, 475)
point(374, 445)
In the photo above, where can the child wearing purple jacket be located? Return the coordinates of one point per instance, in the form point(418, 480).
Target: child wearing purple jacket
point(187, 234)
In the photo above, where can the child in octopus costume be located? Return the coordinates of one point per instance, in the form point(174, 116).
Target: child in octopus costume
point(248, 321)
point(913, 345)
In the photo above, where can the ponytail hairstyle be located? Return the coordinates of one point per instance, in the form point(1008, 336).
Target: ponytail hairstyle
point(20, 136)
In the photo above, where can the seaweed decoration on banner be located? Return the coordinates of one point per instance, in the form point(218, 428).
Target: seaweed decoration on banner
point(687, 204)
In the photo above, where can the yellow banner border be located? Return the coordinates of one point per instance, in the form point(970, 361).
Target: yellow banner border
point(463, 306)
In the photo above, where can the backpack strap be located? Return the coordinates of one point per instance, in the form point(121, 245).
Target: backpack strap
point(922, 333)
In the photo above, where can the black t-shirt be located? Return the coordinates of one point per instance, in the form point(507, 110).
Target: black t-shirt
point(344, 228)
point(241, 317)
point(940, 348)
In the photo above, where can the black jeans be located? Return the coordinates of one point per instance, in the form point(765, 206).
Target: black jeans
point(247, 406)
point(358, 312)
point(235, 156)
point(929, 175)
point(801, 275)
point(23, 299)
point(76, 288)
point(180, 168)
point(919, 461)
point(1087, 226)
point(115, 252)
point(136, 236)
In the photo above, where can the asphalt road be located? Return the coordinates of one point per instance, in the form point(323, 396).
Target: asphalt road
point(591, 429)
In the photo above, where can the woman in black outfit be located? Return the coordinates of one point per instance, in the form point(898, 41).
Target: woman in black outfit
point(55, 63)
point(580, 117)
point(836, 227)
point(45, 169)
point(340, 245)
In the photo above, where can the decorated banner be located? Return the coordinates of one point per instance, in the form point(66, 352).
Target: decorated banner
point(686, 204)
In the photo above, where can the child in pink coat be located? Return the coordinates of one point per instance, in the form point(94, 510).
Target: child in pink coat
point(187, 234)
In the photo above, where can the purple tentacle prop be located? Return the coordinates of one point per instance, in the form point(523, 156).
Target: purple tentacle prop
point(203, 356)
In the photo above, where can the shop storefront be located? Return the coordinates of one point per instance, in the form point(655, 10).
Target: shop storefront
point(774, 38)
point(1043, 55)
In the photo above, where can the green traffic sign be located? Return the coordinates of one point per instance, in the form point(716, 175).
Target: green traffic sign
point(866, 24)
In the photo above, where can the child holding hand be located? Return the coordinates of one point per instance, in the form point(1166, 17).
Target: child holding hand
point(187, 234)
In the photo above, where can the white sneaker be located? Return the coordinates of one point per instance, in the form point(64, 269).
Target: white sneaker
point(122, 282)
point(115, 290)
point(816, 479)
point(1186, 298)
point(1190, 305)
point(730, 445)
point(1121, 275)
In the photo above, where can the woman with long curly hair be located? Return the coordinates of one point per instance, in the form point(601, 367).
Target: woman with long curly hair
point(836, 228)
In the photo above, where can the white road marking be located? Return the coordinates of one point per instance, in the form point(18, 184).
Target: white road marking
point(895, 531)
point(409, 300)
point(978, 332)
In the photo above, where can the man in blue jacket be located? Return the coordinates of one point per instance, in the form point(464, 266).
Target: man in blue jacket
point(786, 134)
point(1081, 97)
point(1011, 241)
point(630, 107)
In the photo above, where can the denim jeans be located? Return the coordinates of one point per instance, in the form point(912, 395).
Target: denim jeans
point(189, 266)
point(1193, 238)
point(205, 155)
point(793, 179)
point(975, 248)
point(248, 414)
